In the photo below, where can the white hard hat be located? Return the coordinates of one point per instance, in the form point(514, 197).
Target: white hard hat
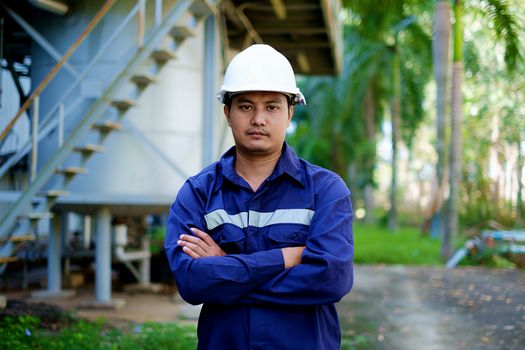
point(260, 68)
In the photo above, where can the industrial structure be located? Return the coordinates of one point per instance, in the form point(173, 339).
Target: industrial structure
point(108, 106)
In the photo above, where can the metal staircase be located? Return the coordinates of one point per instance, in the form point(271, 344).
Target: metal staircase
point(32, 207)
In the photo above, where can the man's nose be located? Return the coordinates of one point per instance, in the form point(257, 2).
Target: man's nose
point(259, 117)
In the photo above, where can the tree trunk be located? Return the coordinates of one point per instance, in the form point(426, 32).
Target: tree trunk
point(494, 164)
point(451, 227)
point(440, 57)
point(338, 157)
point(368, 192)
point(519, 195)
point(395, 109)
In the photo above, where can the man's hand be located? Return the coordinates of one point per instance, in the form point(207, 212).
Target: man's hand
point(200, 246)
point(292, 256)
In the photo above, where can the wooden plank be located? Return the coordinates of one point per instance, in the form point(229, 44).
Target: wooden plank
point(72, 170)
point(163, 55)
point(107, 126)
point(89, 148)
point(7, 259)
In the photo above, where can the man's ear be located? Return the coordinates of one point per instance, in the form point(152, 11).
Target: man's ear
point(290, 113)
point(227, 114)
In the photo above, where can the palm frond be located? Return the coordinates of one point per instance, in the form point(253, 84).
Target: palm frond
point(506, 28)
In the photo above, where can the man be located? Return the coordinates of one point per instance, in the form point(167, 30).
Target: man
point(262, 238)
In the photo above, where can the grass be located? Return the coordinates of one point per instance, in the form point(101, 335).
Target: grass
point(376, 245)
point(25, 332)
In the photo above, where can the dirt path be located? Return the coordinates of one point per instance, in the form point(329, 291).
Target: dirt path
point(407, 308)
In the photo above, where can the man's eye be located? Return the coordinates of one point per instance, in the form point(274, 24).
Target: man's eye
point(273, 108)
point(245, 107)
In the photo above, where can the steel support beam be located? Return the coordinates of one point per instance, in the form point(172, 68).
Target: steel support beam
point(54, 253)
point(103, 256)
point(210, 64)
point(54, 256)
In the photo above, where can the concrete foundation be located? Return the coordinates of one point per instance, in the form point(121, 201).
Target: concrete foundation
point(52, 294)
point(143, 288)
point(113, 304)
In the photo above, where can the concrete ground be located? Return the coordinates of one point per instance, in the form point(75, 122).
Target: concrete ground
point(407, 308)
point(139, 307)
point(390, 307)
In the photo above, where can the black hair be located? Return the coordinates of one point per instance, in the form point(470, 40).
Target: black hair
point(227, 100)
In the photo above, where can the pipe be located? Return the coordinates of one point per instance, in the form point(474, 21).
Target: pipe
point(462, 252)
point(143, 256)
point(122, 255)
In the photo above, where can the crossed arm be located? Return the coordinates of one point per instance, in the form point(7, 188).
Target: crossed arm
point(202, 245)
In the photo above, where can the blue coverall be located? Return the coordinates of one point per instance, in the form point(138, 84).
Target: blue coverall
point(250, 300)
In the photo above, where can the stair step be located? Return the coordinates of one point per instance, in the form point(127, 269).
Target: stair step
point(7, 259)
point(143, 79)
point(123, 104)
point(180, 33)
point(107, 126)
point(72, 170)
point(202, 8)
point(22, 238)
point(38, 216)
point(163, 55)
point(89, 148)
point(55, 193)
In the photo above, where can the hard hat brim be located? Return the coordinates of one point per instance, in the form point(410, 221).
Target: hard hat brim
point(297, 96)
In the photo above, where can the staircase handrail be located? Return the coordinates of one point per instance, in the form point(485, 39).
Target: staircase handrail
point(98, 17)
point(48, 125)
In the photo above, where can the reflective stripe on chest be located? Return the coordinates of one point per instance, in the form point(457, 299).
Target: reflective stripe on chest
point(259, 219)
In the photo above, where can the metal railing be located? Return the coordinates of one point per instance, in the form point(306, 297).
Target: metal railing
point(103, 11)
point(54, 119)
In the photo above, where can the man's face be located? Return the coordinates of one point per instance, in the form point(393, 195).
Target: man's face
point(259, 121)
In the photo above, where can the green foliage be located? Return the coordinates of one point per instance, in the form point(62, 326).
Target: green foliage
point(157, 235)
point(356, 342)
point(16, 333)
point(488, 257)
point(493, 125)
point(24, 332)
point(340, 126)
point(156, 336)
point(376, 245)
point(506, 28)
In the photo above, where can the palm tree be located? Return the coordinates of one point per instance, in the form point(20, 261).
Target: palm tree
point(506, 29)
point(395, 111)
point(440, 53)
point(451, 224)
point(341, 122)
point(384, 27)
